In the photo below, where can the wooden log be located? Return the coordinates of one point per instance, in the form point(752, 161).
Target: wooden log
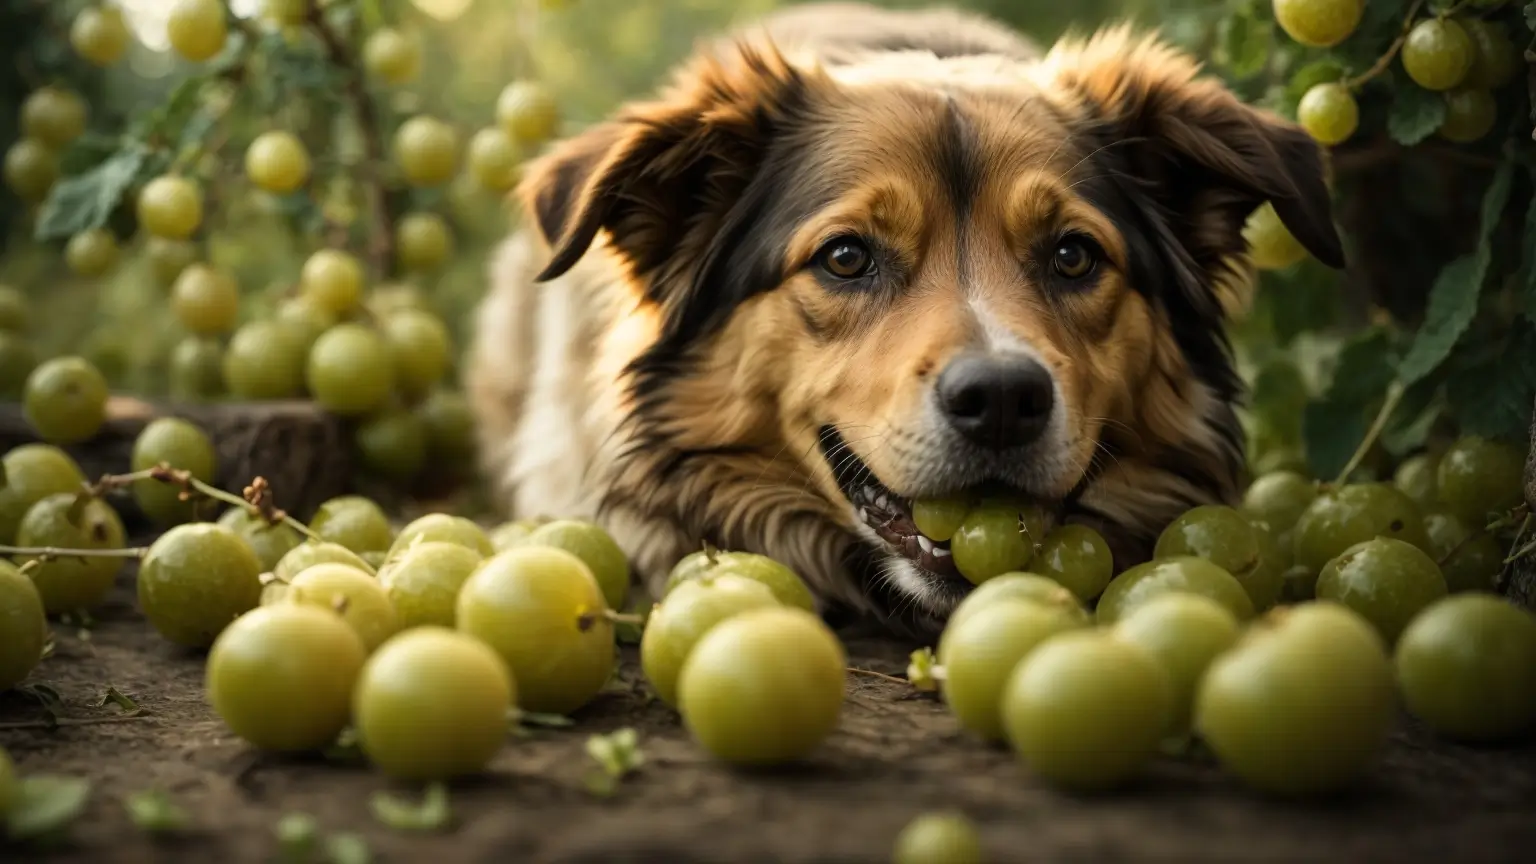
point(302, 451)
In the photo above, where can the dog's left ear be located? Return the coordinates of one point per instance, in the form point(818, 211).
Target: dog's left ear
point(1204, 151)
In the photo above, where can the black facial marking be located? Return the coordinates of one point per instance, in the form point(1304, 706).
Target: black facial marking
point(742, 259)
point(957, 156)
point(1162, 267)
point(1152, 206)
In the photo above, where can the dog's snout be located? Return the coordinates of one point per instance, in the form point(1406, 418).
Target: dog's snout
point(997, 401)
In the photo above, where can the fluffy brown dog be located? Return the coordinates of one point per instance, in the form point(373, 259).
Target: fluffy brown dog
point(853, 257)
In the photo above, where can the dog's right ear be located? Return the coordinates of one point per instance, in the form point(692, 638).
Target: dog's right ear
point(561, 192)
point(663, 169)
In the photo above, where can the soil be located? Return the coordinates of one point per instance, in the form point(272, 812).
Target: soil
point(897, 754)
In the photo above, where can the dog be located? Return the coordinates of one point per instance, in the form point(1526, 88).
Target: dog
point(852, 257)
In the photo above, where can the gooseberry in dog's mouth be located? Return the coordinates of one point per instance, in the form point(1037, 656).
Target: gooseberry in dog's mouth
point(890, 516)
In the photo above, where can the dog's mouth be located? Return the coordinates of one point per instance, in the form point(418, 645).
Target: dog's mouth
point(889, 515)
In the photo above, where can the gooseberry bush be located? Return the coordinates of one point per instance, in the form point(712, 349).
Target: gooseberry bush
point(1431, 330)
point(274, 216)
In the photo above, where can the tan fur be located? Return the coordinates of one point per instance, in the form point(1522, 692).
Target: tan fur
point(548, 373)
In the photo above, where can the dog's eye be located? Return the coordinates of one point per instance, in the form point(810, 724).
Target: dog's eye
point(845, 258)
point(1075, 257)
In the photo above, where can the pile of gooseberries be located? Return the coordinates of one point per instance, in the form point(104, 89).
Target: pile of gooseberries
point(1283, 633)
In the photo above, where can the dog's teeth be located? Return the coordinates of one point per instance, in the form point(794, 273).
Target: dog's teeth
point(863, 514)
point(938, 551)
point(883, 503)
point(925, 543)
point(870, 494)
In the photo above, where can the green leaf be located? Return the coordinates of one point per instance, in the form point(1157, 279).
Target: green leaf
point(297, 834)
point(46, 695)
point(538, 718)
point(1379, 25)
point(167, 118)
point(87, 151)
point(298, 71)
point(1415, 114)
point(1452, 306)
point(347, 849)
point(47, 803)
point(1333, 426)
point(232, 56)
point(1491, 389)
point(1278, 396)
point(1309, 76)
point(432, 814)
point(922, 670)
point(347, 747)
point(87, 200)
point(1453, 298)
point(1383, 15)
point(153, 811)
point(1302, 299)
point(49, 699)
point(617, 753)
point(116, 697)
point(1245, 41)
point(1421, 405)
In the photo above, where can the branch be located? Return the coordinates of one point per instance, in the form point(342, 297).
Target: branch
point(257, 496)
point(368, 124)
point(1385, 60)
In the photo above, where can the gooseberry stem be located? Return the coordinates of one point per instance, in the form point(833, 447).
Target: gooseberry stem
point(1385, 60)
point(1452, 10)
point(258, 490)
point(1388, 405)
point(1451, 553)
point(257, 496)
point(881, 675)
point(585, 620)
point(61, 552)
point(1505, 521)
point(1525, 550)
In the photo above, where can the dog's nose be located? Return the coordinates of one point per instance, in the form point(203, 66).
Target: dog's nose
point(997, 401)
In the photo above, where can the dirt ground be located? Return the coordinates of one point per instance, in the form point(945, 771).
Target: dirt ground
point(895, 755)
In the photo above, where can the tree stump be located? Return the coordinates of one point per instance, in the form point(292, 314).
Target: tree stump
point(302, 451)
point(1520, 576)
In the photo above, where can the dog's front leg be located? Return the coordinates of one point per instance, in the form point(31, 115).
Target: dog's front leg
point(654, 545)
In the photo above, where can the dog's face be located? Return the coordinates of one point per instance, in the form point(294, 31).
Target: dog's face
point(909, 276)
